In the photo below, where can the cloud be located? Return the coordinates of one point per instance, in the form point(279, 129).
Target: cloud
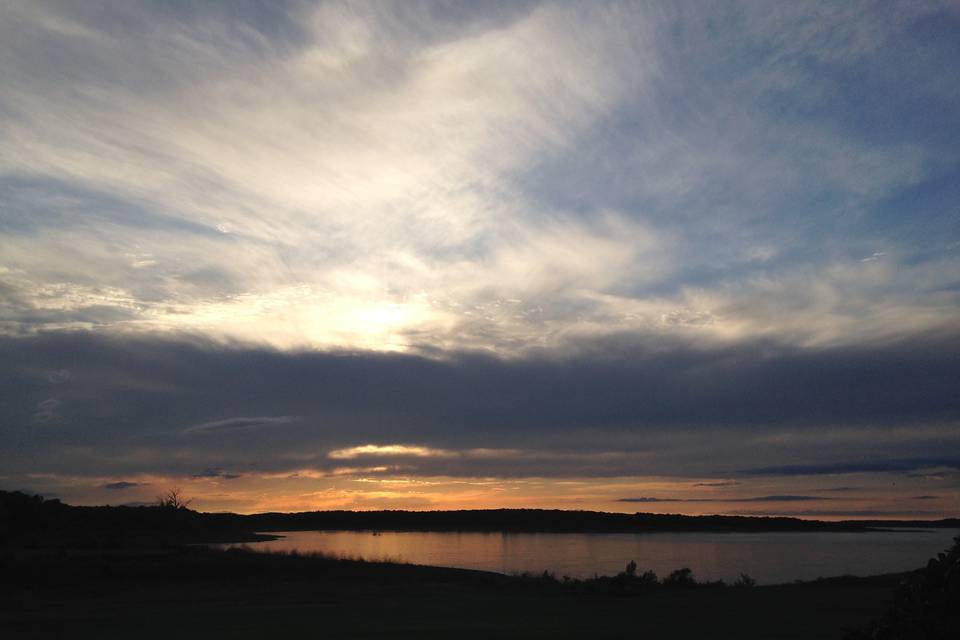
point(413, 171)
point(783, 498)
point(722, 483)
point(47, 410)
point(388, 450)
point(231, 424)
point(866, 466)
point(927, 476)
point(417, 178)
point(633, 407)
point(123, 484)
point(216, 473)
point(59, 376)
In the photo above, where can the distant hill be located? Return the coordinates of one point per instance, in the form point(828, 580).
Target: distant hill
point(553, 521)
point(27, 520)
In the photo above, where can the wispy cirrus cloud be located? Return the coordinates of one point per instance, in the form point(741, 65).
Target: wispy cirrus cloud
point(477, 199)
point(231, 424)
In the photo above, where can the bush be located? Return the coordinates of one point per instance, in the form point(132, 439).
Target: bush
point(926, 604)
point(745, 581)
point(648, 579)
point(680, 578)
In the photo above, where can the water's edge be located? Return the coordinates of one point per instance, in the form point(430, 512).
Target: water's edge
point(770, 558)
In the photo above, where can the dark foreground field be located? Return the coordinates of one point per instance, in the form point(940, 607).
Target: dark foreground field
point(204, 593)
point(109, 572)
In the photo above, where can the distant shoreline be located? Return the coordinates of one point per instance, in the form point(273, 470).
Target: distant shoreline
point(33, 520)
point(278, 534)
point(555, 521)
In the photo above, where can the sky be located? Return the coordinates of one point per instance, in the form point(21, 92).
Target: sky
point(675, 257)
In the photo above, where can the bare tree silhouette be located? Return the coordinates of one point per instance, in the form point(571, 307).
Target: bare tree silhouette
point(173, 499)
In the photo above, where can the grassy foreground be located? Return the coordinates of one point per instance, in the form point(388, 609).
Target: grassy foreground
point(195, 592)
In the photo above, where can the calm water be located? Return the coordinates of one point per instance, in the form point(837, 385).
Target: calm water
point(768, 557)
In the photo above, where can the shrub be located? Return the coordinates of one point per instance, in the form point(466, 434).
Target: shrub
point(680, 578)
point(745, 581)
point(926, 604)
point(648, 578)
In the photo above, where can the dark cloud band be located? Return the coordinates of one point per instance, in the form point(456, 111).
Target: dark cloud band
point(865, 466)
point(604, 409)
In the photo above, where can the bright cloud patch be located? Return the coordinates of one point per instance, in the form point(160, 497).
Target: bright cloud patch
point(387, 450)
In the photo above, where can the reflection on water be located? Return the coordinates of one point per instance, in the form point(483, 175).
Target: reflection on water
point(768, 557)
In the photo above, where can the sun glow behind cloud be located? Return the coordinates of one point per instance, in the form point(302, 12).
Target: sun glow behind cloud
point(296, 198)
point(301, 316)
point(386, 450)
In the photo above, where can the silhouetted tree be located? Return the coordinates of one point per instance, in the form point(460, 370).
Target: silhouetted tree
point(173, 499)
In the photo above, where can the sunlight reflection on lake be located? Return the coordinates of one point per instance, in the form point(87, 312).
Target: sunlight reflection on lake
point(767, 557)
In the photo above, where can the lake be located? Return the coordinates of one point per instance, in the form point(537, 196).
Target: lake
point(769, 558)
